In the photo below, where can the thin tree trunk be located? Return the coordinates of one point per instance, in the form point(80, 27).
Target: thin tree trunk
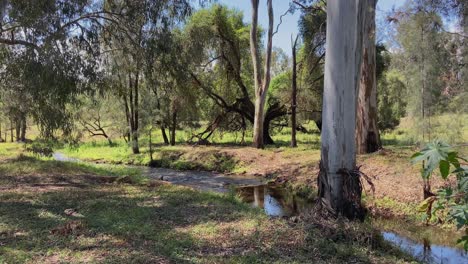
point(173, 127)
point(261, 86)
point(133, 99)
point(266, 133)
point(11, 130)
point(18, 129)
point(164, 135)
point(150, 145)
point(367, 133)
point(337, 185)
point(294, 95)
point(423, 87)
point(23, 127)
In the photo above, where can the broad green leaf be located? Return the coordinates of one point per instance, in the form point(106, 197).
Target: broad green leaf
point(444, 167)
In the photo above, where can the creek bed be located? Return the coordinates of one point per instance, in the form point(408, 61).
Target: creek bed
point(420, 242)
point(278, 201)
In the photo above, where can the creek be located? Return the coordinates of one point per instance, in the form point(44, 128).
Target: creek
point(429, 244)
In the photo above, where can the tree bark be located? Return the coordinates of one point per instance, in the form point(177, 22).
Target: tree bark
point(132, 106)
point(23, 127)
point(267, 140)
point(173, 127)
point(11, 130)
point(367, 132)
point(337, 184)
point(18, 129)
point(294, 95)
point(261, 86)
point(164, 135)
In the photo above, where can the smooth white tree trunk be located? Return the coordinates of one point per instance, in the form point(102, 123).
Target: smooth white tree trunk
point(261, 85)
point(342, 74)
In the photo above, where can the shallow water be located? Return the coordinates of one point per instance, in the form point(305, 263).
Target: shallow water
point(275, 200)
point(280, 202)
point(427, 253)
point(201, 180)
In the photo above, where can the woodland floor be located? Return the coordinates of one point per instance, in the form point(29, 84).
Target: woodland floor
point(59, 212)
point(398, 184)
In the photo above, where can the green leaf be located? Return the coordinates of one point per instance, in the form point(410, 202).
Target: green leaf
point(417, 154)
point(425, 204)
point(453, 159)
point(444, 167)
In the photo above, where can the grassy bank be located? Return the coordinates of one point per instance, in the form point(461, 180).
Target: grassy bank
point(54, 212)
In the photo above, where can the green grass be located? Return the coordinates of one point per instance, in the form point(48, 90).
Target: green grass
point(123, 223)
point(452, 128)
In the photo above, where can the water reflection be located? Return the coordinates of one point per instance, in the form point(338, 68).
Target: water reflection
point(426, 252)
point(275, 200)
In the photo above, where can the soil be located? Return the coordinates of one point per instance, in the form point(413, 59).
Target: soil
point(391, 171)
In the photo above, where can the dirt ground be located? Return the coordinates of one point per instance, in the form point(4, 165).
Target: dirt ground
point(391, 171)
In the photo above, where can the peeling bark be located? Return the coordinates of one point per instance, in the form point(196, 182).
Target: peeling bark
point(367, 132)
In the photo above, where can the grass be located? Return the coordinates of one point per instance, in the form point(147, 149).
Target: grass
point(117, 222)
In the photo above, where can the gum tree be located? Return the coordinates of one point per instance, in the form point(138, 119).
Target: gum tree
point(339, 184)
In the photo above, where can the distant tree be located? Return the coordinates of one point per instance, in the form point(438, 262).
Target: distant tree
point(147, 27)
point(294, 93)
point(217, 41)
point(261, 81)
point(312, 26)
point(391, 100)
point(422, 62)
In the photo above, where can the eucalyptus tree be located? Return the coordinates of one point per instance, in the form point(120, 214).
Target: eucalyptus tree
point(367, 132)
point(422, 61)
point(147, 25)
point(261, 81)
point(51, 47)
point(312, 27)
point(339, 182)
point(218, 42)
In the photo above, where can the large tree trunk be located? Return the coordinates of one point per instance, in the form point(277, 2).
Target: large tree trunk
point(294, 95)
point(367, 133)
point(337, 182)
point(261, 86)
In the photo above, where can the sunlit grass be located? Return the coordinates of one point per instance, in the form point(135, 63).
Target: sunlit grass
point(128, 223)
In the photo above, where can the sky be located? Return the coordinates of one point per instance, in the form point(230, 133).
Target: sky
point(289, 26)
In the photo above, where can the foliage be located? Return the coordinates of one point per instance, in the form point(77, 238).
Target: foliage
point(391, 104)
point(442, 156)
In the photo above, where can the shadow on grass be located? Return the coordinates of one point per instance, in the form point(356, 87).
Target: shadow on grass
point(134, 225)
point(123, 223)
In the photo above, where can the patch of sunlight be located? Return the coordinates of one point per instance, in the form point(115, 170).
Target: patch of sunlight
point(45, 214)
point(19, 256)
point(152, 202)
point(209, 229)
